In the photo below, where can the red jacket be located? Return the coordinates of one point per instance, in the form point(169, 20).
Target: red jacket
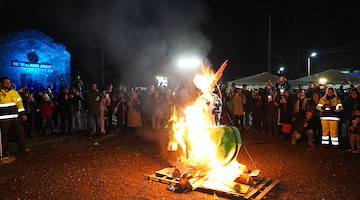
point(46, 108)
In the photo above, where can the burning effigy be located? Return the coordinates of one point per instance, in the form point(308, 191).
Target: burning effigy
point(209, 150)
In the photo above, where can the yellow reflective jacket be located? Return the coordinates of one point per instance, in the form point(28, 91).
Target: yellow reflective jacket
point(10, 104)
point(332, 112)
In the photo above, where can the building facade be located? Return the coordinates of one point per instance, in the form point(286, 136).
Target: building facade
point(33, 59)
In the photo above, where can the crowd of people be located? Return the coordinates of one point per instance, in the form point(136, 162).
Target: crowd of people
point(316, 114)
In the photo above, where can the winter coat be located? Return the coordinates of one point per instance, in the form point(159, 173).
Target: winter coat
point(238, 104)
point(64, 105)
point(134, 115)
point(350, 105)
point(92, 105)
point(46, 108)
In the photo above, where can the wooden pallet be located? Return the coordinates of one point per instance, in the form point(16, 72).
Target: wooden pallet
point(257, 191)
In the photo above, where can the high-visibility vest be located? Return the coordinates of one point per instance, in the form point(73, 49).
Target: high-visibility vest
point(10, 104)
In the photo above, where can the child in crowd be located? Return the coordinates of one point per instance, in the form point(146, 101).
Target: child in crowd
point(46, 112)
point(355, 132)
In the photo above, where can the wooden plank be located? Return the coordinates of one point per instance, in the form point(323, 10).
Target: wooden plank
point(164, 178)
point(267, 189)
point(255, 190)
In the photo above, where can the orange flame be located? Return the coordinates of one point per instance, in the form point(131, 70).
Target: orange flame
point(192, 132)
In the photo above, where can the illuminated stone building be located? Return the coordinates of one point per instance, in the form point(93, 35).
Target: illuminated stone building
point(33, 59)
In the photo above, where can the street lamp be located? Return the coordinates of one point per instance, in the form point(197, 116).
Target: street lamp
point(309, 61)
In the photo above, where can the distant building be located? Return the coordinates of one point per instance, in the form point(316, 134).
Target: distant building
point(33, 59)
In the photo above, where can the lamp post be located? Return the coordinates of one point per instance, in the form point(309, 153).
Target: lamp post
point(309, 61)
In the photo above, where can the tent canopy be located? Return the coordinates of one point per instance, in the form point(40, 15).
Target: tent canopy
point(255, 81)
point(334, 78)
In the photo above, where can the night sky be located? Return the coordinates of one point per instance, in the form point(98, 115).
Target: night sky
point(142, 38)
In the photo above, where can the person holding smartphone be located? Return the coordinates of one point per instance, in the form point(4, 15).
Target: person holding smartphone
point(272, 113)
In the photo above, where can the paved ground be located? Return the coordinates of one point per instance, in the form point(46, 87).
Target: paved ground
point(112, 167)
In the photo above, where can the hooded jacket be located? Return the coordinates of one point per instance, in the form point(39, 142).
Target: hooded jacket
point(335, 104)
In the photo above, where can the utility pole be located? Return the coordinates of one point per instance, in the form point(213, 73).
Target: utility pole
point(102, 68)
point(269, 45)
point(298, 55)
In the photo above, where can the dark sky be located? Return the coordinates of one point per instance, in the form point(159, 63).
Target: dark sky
point(143, 38)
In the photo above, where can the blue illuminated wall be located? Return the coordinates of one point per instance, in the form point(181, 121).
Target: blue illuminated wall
point(33, 59)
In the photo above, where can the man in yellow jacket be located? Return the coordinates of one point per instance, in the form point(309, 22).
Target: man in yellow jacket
point(11, 110)
point(330, 106)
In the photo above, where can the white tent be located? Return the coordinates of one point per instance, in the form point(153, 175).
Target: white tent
point(255, 81)
point(333, 78)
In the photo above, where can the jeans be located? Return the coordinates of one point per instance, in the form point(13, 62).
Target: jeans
point(44, 121)
point(93, 123)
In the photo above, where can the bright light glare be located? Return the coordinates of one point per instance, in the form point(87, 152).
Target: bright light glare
point(313, 54)
point(189, 63)
point(322, 80)
point(281, 69)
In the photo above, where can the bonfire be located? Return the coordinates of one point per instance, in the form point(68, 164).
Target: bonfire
point(209, 149)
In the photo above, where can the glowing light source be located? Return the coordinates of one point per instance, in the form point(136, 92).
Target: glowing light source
point(189, 63)
point(313, 54)
point(322, 80)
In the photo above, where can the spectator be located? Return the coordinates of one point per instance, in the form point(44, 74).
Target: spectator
point(329, 107)
point(229, 97)
point(158, 114)
point(282, 83)
point(311, 89)
point(105, 102)
point(248, 106)
point(351, 102)
point(24, 94)
point(355, 132)
point(167, 105)
point(65, 101)
point(93, 100)
point(121, 112)
point(259, 110)
point(147, 105)
point(304, 124)
point(299, 103)
point(37, 120)
point(286, 107)
point(272, 114)
point(238, 101)
point(77, 108)
point(46, 112)
point(134, 115)
point(110, 107)
point(311, 105)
